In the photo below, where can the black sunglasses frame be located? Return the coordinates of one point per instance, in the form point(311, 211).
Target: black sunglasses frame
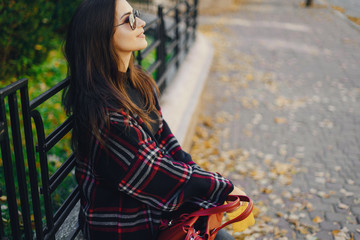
point(132, 19)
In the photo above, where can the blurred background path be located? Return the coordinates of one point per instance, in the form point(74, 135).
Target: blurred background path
point(347, 7)
point(281, 116)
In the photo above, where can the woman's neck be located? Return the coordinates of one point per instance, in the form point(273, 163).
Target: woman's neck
point(124, 62)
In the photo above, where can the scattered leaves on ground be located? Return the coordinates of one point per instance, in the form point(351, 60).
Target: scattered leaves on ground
point(282, 210)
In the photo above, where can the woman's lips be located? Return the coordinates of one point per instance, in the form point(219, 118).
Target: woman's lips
point(141, 35)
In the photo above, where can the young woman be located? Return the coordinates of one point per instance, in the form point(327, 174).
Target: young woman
point(131, 170)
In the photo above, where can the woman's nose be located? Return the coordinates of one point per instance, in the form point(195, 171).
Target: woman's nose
point(141, 22)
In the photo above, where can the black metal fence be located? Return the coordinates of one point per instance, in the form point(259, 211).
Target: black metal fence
point(32, 216)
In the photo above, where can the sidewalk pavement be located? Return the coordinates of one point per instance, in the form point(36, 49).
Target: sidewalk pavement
point(281, 116)
point(347, 7)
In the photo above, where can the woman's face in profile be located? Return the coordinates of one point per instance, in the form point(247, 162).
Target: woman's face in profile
point(125, 39)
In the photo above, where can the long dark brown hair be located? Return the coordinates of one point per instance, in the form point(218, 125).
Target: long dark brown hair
point(96, 85)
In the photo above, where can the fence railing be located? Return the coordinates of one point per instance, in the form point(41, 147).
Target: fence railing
point(173, 31)
point(32, 216)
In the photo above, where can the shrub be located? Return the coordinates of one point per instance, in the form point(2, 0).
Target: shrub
point(28, 30)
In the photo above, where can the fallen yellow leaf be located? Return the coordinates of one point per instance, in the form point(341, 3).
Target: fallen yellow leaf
point(257, 174)
point(280, 120)
point(303, 230)
point(208, 122)
point(309, 207)
point(224, 78)
point(220, 119)
point(256, 211)
point(201, 132)
point(337, 8)
point(266, 219)
point(317, 219)
point(255, 102)
point(249, 77)
point(354, 19)
point(266, 190)
point(335, 232)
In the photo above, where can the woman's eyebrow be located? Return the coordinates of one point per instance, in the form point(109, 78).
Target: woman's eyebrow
point(125, 14)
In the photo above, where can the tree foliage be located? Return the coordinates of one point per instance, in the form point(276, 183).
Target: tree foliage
point(28, 31)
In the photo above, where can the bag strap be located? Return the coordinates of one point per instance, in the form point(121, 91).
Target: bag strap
point(239, 218)
point(192, 234)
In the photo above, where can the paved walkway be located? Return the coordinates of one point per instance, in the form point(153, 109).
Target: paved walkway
point(281, 116)
point(351, 7)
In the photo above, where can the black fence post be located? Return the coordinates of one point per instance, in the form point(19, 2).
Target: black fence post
point(161, 51)
point(187, 21)
point(308, 3)
point(139, 57)
point(196, 2)
point(1, 193)
point(20, 166)
point(8, 172)
point(39, 125)
point(34, 187)
point(177, 37)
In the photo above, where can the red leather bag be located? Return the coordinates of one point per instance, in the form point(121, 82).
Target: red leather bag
point(182, 228)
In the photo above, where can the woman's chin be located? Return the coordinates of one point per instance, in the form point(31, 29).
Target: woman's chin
point(143, 45)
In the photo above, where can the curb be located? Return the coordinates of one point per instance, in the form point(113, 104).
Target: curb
point(341, 15)
point(180, 99)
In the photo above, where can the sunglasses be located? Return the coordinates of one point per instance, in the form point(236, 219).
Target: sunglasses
point(131, 19)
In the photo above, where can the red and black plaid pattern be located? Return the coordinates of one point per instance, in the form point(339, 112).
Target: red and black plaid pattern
point(128, 187)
